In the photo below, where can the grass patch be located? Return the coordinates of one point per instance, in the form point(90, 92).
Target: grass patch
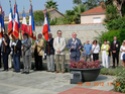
point(111, 71)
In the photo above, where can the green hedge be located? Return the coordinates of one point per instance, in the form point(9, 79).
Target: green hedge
point(120, 34)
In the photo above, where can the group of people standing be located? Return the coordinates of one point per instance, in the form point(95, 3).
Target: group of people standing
point(55, 47)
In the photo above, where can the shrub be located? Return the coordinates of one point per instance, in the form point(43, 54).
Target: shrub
point(120, 34)
point(119, 83)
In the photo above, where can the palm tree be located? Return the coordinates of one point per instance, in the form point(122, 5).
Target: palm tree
point(77, 2)
point(51, 4)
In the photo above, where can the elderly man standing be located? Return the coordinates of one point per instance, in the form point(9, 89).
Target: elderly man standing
point(49, 50)
point(74, 45)
point(59, 46)
point(26, 53)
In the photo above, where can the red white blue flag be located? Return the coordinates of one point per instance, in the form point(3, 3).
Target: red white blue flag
point(1, 21)
point(24, 27)
point(16, 22)
point(31, 23)
point(46, 27)
point(10, 23)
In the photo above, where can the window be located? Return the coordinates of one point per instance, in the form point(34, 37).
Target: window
point(96, 19)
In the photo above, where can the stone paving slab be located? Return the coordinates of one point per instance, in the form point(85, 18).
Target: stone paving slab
point(43, 82)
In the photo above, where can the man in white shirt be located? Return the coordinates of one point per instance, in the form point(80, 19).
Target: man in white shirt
point(59, 45)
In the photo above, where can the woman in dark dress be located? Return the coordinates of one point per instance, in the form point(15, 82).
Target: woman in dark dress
point(5, 51)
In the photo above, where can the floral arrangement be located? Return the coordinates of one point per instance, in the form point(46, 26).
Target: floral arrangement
point(85, 65)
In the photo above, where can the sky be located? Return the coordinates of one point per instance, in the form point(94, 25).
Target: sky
point(63, 5)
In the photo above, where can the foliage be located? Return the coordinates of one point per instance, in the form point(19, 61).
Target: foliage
point(107, 36)
point(120, 34)
point(91, 3)
point(85, 65)
point(77, 1)
point(38, 17)
point(119, 83)
point(116, 24)
point(51, 4)
point(111, 71)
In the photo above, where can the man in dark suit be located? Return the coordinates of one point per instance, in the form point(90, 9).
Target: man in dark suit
point(115, 46)
point(49, 50)
point(16, 46)
point(74, 45)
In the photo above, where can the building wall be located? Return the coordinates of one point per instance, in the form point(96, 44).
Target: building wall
point(54, 14)
point(89, 18)
point(84, 31)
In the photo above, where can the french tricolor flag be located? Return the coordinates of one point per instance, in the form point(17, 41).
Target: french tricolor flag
point(24, 24)
point(16, 22)
point(31, 23)
point(10, 23)
point(46, 27)
point(1, 22)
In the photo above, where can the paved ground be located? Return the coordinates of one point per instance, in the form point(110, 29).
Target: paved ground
point(43, 82)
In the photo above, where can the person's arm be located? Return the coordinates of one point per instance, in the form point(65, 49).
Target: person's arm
point(27, 44)
point(63, 45)
point(55, 45)
point(18, 45)
point(68, 44)
point(40, 44)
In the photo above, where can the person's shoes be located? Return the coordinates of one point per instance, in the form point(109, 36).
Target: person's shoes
point(26, 72)
point(23, 72)
point(3, 70)
point(17, 71)
point(57, 71)
point(63, 71)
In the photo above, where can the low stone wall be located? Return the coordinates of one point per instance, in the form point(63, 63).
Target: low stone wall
point(84, 31)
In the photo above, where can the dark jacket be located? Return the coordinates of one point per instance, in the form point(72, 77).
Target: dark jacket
point(17, 48)
point(6, 48)
point(75, 52)
point(115, 47)
point(49, 49)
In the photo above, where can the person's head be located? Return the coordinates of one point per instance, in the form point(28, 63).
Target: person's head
point(95, 42)
point(50, 35)
point(115, 38)
point(124, 42)
point(108, 42)
point(13, 37)
point(105, 41)
point(59, 33)
point(74, 35)
point(39, 36)
point(25, 36)
point(5, 36)
point(87, 42)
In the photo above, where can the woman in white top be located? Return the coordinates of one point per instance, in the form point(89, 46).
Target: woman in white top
point(95, 50)
point(122, 49)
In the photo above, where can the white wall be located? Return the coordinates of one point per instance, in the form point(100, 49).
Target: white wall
point(90, 18)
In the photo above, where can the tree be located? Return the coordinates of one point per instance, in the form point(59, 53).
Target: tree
point(38, 17)
point(51, 4)
point(77, 1)
point(91, 3)
point(119, 4)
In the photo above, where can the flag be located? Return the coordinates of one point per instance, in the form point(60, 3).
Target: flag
point(10, 23)
point(46, 27)
point(24, 24)
point(31, 23)
point(16, 22)
point(1, 22)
